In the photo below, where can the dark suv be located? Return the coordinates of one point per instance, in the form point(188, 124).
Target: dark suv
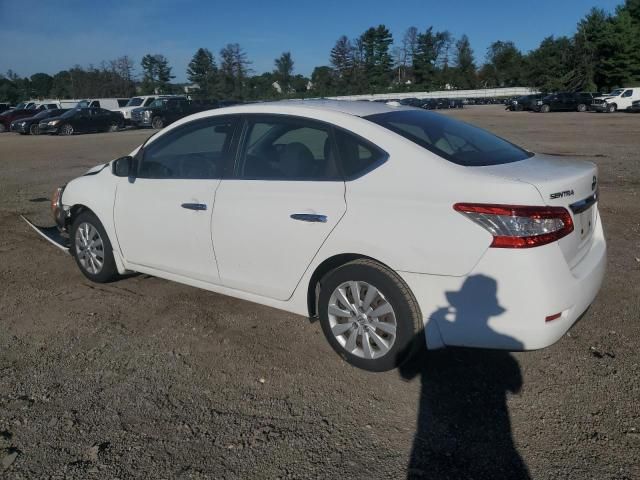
point(525, 102)
point(565, 102)
point(164, 111)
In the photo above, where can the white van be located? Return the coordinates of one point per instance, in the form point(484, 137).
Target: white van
point(137, 102)
point(113, 104)
point(619, 99)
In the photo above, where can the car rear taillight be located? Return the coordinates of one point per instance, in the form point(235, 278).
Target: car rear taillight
point(515, 226)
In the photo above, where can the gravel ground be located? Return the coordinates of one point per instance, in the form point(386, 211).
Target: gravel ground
point(144, 378)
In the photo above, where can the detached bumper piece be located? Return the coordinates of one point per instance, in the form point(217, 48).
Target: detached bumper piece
point(51, 235)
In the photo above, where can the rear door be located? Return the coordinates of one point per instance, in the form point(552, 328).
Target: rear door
point(284, 199)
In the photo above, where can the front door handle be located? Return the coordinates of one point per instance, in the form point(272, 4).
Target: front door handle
point(194, 206)
point(309, 217)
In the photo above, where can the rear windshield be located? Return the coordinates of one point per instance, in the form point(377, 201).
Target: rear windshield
point(452, 140)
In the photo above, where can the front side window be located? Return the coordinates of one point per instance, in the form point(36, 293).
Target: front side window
point(148, 101)
point(628, 93)
point(194, 151)
point(288, 149)
point(450, 139)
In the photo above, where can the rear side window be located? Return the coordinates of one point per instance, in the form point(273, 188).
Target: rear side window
point(288, 148)
point(357, 156)
point(195, 151)
point(450, 139)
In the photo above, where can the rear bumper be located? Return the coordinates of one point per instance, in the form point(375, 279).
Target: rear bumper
point(504, 302)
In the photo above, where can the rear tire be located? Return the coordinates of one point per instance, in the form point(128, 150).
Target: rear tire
point(92, 250)
point(369, 316)
point(545, 108)
point(2, 128)
point(34, 130)
point(582, 107)
point(114, 127)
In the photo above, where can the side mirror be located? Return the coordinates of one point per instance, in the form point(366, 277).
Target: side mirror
point(122, 167)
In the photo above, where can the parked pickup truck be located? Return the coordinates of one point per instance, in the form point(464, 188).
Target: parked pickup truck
point(164, 111)
point(619, 99)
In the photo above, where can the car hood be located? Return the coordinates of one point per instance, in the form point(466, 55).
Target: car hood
point(604, 98)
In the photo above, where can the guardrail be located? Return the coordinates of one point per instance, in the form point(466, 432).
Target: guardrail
point(484, 92)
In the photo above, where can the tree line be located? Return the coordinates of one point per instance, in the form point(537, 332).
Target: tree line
point(603, 53)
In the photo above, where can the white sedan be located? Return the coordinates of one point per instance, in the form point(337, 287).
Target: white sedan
point(393, 225)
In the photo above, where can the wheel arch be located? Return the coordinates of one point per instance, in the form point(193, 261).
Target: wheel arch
point(76, 210)
point(326, 266)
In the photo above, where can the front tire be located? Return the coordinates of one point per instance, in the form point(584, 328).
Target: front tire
point(91, 249)
point(612, 108)
point(545, 108)
point(369, 316)
point(2, 128)
point(34, 130)
point(66, 129)
point(114, 127)
point(157, 123)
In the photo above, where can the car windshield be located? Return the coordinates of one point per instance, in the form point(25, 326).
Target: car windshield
point(453, 140)
point(21, 105)
point(70, 113)
point(134, 102)
point(615, 93)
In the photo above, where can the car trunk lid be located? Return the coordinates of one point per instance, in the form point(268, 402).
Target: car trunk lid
point(562, 182)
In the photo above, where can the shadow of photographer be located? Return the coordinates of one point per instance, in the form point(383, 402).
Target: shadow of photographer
point(463, 426)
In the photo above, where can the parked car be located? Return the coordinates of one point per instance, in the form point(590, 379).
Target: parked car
point(137, 102)
point(165, 111)
point(619, 99)
point(11, 115)
point(635, 107)
point(82, 120)
point(30, 125)
point(564, 101)
point(4, 107)
point(429, 104)
point(524, 102)
point(390, 224)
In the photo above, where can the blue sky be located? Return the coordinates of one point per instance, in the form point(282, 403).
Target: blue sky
point(47, 36)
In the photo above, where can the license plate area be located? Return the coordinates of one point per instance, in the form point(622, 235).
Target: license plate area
point(585, 222)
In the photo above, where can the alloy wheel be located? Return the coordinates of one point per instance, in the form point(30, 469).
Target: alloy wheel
point(362, 320)
point(89, 248)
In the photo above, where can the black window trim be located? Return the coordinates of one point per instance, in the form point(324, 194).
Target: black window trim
point(235, 123)
point(332, 128)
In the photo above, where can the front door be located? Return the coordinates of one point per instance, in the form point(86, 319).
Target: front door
point(163, 216)
point(286, 197)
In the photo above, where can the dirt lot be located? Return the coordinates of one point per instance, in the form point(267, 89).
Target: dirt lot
point(144, 378)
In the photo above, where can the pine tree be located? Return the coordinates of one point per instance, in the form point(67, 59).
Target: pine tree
point(465, 75)
point(203, 71)
point(284, 71)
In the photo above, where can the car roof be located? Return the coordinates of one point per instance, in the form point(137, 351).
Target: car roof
point(350, 107)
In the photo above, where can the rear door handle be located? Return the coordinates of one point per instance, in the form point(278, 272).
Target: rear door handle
point(309, 217)
point(194, 206)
